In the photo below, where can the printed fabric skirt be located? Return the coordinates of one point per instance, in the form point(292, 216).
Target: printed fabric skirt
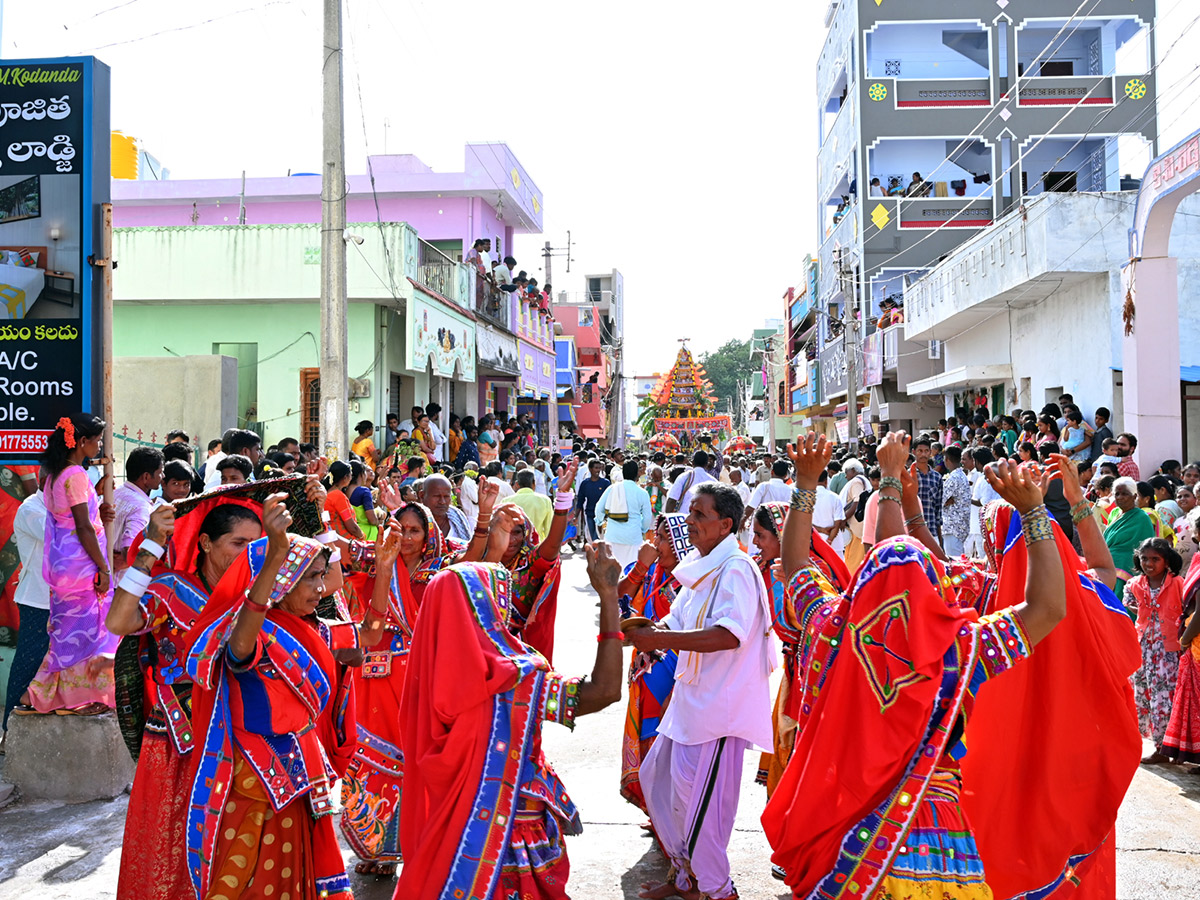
point(373, 783)
point(1182, 741)
point(154, 849)
point(939, 859)
point(1154, 688)
point(536, 865)
point(649, 694)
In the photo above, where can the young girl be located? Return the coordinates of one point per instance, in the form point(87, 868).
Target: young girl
point(1156, 595)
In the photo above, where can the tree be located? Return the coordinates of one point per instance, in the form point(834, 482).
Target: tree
point(728, 365)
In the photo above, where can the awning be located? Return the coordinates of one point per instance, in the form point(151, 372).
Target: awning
point(592, 431)
point(1186, 373)
point(962, 377)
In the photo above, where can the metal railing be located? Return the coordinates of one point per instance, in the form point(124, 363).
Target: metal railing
point(436, 270)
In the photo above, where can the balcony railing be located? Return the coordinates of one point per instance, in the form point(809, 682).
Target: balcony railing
point(1070, 90)
point(942, 93)
point(436, 270)
point(949, 212)
point(493, 304)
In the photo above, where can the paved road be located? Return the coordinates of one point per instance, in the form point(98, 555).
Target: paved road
point(55, 852)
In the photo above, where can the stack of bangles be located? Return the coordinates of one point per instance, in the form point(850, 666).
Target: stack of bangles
point(890, 481)
point(329, 537)
point(638, 572)
point(1037, 525)
point(564, 502)
point(135, 581)
point(804, 500)
point(917, 521)
point(1080, 511)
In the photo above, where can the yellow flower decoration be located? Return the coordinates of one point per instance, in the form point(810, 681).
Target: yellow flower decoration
point(1135, 89)
point(877, 92)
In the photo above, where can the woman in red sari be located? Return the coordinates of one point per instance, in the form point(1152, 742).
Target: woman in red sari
point(484, 813)
point(160, 611)
point(507, 536)
point(274, 717)
point(410, 554)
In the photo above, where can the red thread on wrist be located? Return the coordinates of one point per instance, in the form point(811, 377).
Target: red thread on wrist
point(609, 636)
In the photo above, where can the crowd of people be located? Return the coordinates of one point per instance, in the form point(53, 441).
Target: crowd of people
point(292, 643)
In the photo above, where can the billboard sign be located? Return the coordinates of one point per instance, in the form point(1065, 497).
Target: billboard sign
point(54, 178)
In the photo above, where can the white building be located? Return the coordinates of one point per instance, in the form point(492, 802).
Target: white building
point(1033, 306)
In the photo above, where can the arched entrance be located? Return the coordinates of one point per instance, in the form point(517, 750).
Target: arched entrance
point(1151, 280)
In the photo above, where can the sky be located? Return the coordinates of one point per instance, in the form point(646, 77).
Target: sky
point(676, 142)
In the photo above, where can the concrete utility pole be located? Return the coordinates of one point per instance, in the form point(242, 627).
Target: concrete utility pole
point(552, 408)
point(850, 321)
point(335, 428)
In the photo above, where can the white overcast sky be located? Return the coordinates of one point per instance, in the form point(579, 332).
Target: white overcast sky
point(676, 141)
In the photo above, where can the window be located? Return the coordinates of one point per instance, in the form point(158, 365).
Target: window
point(394, 382)
point(1057, 69)
point(587, 317)
point(310, 405)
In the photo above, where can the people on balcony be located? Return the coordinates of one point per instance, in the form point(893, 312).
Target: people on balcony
point(919, 187)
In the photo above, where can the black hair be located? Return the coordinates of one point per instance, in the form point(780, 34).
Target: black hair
point(243, 439)
point(1164, 549)
point(363, 427)
point(287, 440)
point(433, 409)
point(214, 444)
point(178, 470)
point(1169, 465)
point(84, 425)
point(1103, 411)
point(834, 466)
point(237, 461)
point(1047, 448)
point(954, 454)
point(1144, 490)
point(1162, 482)
point(142, 461)
point(282, 459)
point(415, 463)
point(178, 451)
point(727, 501)
point(337, 471)
point(700, 459)
point(779, 468)
point(982, 456)
point(1051, 422)
point(629, 471)
point(1051, 409)
point(922, 441)
point(178, 433)
point(357, 470)
point(1074, 415)
point(221, 520)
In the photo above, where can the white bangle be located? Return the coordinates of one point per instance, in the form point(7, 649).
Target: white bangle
point(564, 500)
point(134, 582)
point(327, 537)
point(335, 556)
point(325, 516)
point(154, 548)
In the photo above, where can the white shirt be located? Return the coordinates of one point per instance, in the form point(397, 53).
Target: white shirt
point(985, 494)
point(726, 693)
point(29, 529)
point(681, 491)
point(774, 490)
point(746, 534)
point(212, 478)
point(502, 274)
point(828, 511)
point(468, 496)
point(506, 489)
point(439, 439)
point(877, 190)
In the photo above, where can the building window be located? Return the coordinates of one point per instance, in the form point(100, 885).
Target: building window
point(310, 405)
point(587, 317)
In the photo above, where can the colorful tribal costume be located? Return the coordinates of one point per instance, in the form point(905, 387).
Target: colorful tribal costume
point(276, 732)
point(483, 814)
point(374, 782)
point(788, 627)
point(650, 679)
point(535, 593)
point(154, 848)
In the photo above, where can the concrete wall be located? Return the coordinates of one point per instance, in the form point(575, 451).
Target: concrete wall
point(154, 394)
point(288, 335)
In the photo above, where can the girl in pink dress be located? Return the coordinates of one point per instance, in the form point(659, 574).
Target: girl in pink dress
point(77, 673)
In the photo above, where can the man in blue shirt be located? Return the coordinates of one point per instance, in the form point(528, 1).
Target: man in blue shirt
point(590, 490)
point(627, 510)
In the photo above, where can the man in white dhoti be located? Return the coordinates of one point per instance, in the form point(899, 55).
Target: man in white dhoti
point(720, 707)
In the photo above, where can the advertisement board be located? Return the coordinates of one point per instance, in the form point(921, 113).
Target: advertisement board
point(54, 178)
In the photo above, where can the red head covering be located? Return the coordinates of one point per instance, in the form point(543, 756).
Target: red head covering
point(1061, 726)
point(463, 661)
point(873, 713)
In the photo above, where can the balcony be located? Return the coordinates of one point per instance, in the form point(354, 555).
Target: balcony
point(435, 270)
point(950, 212)
point(942, 93)
point(1074, 90)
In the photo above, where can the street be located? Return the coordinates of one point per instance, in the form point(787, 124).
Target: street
point(53, 852)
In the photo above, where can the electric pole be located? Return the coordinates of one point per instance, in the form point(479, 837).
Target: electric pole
point(335, 427)
point(552, 403)
point(850, 321)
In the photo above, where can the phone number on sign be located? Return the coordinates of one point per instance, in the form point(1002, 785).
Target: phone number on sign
point(17, 441)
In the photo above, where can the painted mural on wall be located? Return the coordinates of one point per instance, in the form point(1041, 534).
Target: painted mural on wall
point(497, 351)
point(439, 338)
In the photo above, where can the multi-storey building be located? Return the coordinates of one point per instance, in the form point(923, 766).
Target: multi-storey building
point(595, 318)
point(938, 118)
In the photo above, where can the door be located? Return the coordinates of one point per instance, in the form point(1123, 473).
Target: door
point(310, 406)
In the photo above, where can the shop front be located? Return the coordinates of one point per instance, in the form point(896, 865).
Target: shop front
point(498, 367)
point(442, 347)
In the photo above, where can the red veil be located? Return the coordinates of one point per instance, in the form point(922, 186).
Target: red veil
point(465, 745)
point(1054, 744)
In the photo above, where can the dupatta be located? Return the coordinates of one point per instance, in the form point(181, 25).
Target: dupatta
point(308, 687)
point(535, 592)
point(901, 685)
point(1068, 710)
point(470, 721)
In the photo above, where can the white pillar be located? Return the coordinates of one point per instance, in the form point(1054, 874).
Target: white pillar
point(1153, 410)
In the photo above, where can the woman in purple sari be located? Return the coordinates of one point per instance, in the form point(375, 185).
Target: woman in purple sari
point(77, 673)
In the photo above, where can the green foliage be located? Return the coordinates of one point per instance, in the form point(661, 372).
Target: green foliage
point(727, 366)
